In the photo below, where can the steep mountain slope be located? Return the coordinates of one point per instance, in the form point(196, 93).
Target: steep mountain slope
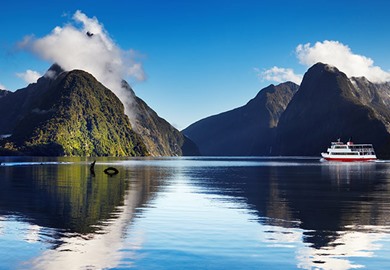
point(159, 136)
point(3, 93)
point(43, 115)
point(374, 95)
point(70, 114)
point(326, 107)
point(248, 130)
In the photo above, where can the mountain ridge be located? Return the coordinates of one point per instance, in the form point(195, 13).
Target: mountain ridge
point(71, 113)
point(66, 116)
point(328, 105)
point(236, 132)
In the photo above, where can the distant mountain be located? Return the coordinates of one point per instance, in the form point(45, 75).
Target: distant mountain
point(3, 93)
point(285, 120)
point(159, 136)
point(248, 130)
point(328, 106)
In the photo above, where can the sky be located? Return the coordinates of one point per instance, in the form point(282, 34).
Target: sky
point(192, 59)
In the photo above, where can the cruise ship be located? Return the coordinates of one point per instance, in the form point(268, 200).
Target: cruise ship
point(339, 151)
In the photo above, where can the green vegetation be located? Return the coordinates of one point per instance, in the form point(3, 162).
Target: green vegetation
point(75, 116)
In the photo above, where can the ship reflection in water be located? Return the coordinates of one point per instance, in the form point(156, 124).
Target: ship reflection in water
point(194, 213)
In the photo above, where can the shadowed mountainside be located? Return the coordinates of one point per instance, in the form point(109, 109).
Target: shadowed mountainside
point(282, 120)
point(329, 106)
point(245, 131)
point(159, 136)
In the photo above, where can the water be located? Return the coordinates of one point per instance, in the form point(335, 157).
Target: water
point(194, 213)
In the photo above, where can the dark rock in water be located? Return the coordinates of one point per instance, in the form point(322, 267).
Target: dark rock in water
point(92, 168)
point(248, 130)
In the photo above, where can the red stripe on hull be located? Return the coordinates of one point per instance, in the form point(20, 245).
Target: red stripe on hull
point(349, 159)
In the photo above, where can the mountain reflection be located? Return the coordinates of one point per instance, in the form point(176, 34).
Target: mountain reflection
point(60, 196)
point(333, 204)
point(326, 213)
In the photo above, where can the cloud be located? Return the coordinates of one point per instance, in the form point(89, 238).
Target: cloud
point(329, 52)
point(29, 76)
point(342, 57)
point(279, 75)
point(84, 44)
point(2, 86)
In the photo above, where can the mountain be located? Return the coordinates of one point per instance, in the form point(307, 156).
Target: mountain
point(3, 93)
point(159, 136)
point(374, 95)
point(248, 130)
point(285, 120)
point(71, 113)
point(329, 105)
point(67, 113)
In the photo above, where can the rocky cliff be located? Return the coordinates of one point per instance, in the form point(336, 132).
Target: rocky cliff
point(159, 136)
point(327, 106)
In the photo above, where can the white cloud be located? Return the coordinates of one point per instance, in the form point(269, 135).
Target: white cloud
point(85, 44)
point(329, 52)
point(2, 86)
point(342, 57)
point(279, 75)
point(29, 76)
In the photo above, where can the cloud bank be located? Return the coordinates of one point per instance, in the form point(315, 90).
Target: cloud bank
point(342, 57)
point(85, 44)
point(280, 75)
point(29, 76)
point(333, 53)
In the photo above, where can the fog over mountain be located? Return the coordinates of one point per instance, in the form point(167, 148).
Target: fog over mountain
point(71, 113)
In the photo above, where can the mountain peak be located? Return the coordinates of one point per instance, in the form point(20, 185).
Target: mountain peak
point(323, 67)
point(247, 130)
point(53, 72)
point(68, 113)
point(327, 106)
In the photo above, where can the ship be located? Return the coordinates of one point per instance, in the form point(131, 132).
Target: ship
point(339, 151)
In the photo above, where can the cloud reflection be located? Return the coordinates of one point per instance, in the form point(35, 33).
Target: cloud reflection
point(95, 250)
point(340, 253)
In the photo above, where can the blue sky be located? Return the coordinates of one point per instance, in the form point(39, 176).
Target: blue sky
point(201, 58)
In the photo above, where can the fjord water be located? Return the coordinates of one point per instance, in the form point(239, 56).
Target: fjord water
point(194, 213)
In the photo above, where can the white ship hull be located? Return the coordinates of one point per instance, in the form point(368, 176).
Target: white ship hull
point(347, 158)
point(349, 152)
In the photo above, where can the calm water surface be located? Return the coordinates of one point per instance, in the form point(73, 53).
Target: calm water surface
point(194, 213)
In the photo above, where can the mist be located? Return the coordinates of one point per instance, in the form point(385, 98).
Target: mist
point(84, 43)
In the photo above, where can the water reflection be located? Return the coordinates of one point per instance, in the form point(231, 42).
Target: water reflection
point(60, 196)
point(334, 204)
point(80, 218)
point(166, 213)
